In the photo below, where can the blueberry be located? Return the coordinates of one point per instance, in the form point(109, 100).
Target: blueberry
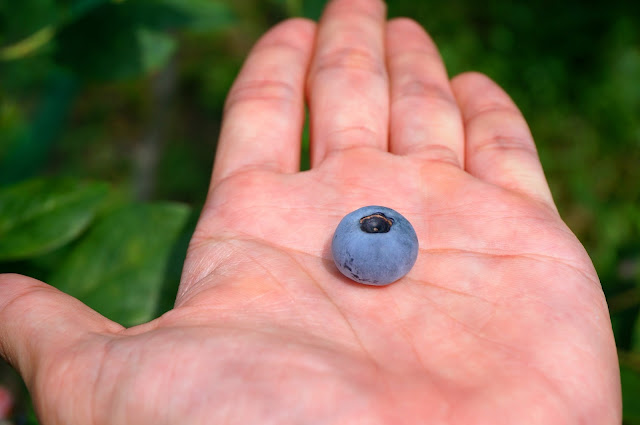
point(374, 245)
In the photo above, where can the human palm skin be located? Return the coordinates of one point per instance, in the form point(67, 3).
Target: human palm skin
point(502, 319)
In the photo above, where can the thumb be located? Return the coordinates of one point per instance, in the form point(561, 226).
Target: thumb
point(37, 321)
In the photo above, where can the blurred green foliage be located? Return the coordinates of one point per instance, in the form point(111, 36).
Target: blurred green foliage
point(130, 92)
point(38, 215)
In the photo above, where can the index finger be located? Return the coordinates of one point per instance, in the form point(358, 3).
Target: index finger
point(264, 111)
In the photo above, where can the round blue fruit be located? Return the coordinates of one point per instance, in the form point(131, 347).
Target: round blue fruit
point(374, 245)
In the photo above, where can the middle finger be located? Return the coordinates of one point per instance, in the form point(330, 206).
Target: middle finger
point(347, 86)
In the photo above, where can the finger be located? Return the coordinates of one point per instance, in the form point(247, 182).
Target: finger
point(499, 145)
point(264, 111)
point(37, 320)
point(425, 118)
point(347, 86)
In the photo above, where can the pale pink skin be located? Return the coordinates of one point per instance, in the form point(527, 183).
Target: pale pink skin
point(501, 321)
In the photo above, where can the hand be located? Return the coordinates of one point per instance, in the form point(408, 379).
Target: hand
point(501, 321)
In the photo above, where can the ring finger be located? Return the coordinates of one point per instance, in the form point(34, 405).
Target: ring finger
point(425, 118)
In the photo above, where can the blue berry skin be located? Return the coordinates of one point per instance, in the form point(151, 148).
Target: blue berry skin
point(374, 245)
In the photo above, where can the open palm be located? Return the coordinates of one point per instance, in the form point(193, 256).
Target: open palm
point(502, 319)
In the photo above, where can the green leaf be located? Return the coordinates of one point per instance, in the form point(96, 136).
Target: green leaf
point(119, 268)
point(630, 394)
point(28, 45)
point(156, 49)
point(635, 334)
point(105, 44)
point(312, 9)
point(204, 15)
point(21, 19)
point(39, 215)
point(28, 151)
point(291, 7)
point(100, 45)
point(28, 25)
point(118, 40)
point(77, 8)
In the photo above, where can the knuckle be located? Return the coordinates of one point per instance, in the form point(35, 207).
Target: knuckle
point(436, 153)
point(272, 91)
point(355, 136)
point(417, 89)
point(350, 59)
point(496, 110)
point(290, 44)
point(507, 143)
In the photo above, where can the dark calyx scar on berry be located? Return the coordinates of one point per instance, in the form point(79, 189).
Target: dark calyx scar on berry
point(374, 245)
